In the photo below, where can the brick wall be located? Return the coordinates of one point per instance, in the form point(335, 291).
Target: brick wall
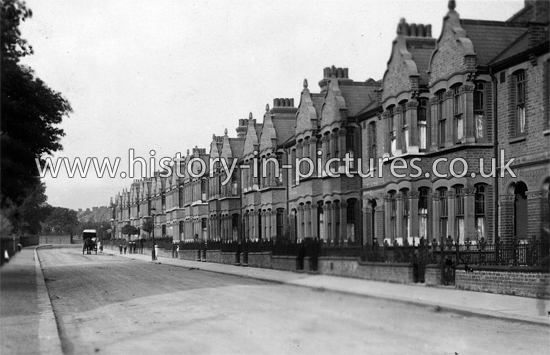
point(350, 267)
point(527, 284)
point(286, 263)
point(262, 260)
point(188, 255)
point(55, 239)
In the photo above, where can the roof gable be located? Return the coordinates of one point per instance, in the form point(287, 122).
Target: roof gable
point(333, 104)
point(306, 117)
point(251, 142)
point(268, 136)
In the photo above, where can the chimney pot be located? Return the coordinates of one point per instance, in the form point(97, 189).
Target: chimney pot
point(346, 73)
point(428, 30)
point(420, 30)
point(413, 30)
point(291, 102)
point(275, 102)
point(287, 102)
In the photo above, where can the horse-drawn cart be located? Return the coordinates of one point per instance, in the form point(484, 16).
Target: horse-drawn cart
point(89, 245)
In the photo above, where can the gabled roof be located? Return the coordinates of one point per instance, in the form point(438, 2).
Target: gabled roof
point(237, 145)
point(490, 38)
point(285, 127)
point(357, 96)
point(252, 139)
point(519, 45)
point(268, 135)
point(307, 115)
point(421, 50)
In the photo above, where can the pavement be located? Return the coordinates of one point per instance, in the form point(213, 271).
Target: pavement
point(513, 308)
point(26, 308)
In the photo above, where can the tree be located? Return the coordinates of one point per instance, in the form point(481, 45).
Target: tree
point(62, 221)
point(148, 225)
point(129, 230)
point(34, 211)
point(30, 113)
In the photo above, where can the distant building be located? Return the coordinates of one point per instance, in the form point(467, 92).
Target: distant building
point(479, 89)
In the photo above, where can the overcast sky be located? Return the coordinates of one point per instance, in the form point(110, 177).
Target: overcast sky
point(167, 74)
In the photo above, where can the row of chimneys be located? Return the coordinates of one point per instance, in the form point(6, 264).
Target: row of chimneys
point(413, 29)
point(283, 102)
point(329, 72)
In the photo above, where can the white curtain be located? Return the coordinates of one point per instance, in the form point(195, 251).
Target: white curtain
point(480, 227)
point(422, 137)
point(423, 224)
point(459, 128)
point(460, 229)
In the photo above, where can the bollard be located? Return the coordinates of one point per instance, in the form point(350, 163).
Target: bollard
point(156, 247)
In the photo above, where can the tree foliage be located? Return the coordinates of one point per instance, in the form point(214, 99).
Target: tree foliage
point(129, 230)
point(103, 228)
point(147, 225)
point(30, 113)
point(62, 221)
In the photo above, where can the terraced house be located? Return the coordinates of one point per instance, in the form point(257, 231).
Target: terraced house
point(428, 150)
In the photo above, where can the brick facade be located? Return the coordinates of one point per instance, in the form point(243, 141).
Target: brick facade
point(478, 91)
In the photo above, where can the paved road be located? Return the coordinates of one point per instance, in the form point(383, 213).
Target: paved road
point(113, 305)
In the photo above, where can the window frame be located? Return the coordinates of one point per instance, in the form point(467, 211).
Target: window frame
point(422, 122)
point(520, 98)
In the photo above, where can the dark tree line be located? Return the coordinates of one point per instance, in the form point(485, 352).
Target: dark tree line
point(30, 115)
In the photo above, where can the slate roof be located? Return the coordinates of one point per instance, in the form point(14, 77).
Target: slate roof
point(490, 38)
point(521, 44)
point(285, 128)
point(237, 145)
point(357, 96)
point(421, 50)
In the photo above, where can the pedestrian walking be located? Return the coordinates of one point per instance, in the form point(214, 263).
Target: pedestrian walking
point(124, 246)
point(120, 247)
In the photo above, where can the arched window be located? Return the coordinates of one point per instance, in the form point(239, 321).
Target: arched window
point(520, 211)
point(293, 164)
point(406, 209)
point(351, 211)
point(203, 190)
point(480, 207)
point(393, 130)
point(423, 212)
point(458, 113)
point(519, 78)
point(479, 109)
point(320, 222)
point(441, 117)
point(443, 213)
point(350, 146)
point(405, 124)
point(422, 123)
point(337, 221)
point(392, 210)
point(459, 213)
point(279, 221)
point(373, 222)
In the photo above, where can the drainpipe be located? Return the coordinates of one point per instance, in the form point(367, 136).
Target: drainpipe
point(496, 156)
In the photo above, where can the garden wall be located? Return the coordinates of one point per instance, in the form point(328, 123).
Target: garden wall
point(518, 282)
